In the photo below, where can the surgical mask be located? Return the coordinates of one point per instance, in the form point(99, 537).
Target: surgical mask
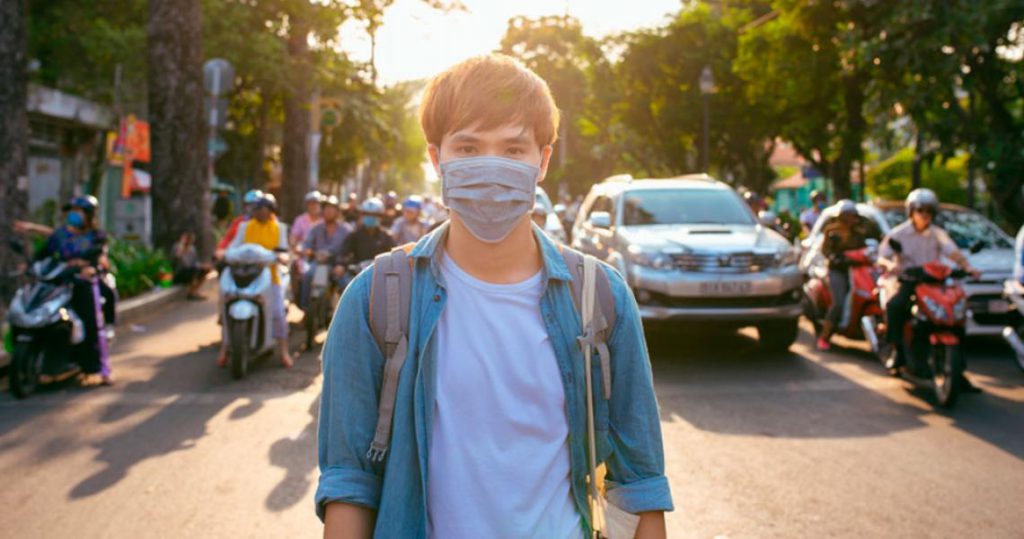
point(75, 219)
point(371, 222)
point(489, 194)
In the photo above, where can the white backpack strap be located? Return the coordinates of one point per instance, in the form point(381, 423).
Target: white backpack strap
point(596, 327)
point(393, 308)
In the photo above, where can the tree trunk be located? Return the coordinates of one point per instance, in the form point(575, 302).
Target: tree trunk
point(180, 170)
point(13, 137)
point(915, 174)
point(295, 151)
point(853, 133)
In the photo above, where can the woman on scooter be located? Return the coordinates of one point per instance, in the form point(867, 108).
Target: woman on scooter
point(846, 232)
point(265, 230)
point(83, 245)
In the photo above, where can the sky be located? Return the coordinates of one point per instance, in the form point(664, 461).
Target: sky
point(416, 41)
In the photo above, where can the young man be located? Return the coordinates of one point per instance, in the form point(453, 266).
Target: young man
point(305, 222)
point(489, 429)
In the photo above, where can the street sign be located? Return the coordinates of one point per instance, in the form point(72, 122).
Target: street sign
point(216, 147)
point(216, 111)
point(218, 76)
point(330, 113)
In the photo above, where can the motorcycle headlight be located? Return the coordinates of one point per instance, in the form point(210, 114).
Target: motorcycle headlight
point(960, 309)
point(935, 310)
point(654, 260)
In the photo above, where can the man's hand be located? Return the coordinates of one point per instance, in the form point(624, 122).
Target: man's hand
point(88, 272)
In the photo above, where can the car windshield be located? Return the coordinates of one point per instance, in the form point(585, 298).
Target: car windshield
point(684, 207)
point(965, 227)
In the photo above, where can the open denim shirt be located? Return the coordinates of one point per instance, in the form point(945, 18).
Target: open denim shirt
point(627, 426)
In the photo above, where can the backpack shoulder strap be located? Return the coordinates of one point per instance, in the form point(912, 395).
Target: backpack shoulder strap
point(390, 301)
point(602, 321)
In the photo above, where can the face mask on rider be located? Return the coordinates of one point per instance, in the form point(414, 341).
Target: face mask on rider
point(75, 219)
point(371, 221)
point(489, 194)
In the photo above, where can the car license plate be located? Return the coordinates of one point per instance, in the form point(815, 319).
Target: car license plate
point(998, 306)
point(725, 288)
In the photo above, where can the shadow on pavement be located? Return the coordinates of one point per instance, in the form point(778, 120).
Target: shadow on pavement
point(297, 457)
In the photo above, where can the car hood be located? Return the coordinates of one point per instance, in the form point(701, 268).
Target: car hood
point(992, 260)
point(717, 238)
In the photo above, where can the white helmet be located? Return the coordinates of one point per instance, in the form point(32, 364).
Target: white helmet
point(372, 206)
point(313, 196)
point(846, 206)
point(922, 198)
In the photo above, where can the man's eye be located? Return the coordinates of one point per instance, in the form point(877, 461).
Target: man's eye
point(465, 149)
point(516, 151)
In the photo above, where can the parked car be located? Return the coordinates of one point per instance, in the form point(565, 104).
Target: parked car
point(988, 309)
point(552, 224)
point(693, 251)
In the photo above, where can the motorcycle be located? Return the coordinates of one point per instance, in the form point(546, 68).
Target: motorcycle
point(862, 302)
point(1014, 292)
point(932, 336)
point(322, 293)
point(246, 297)
point(43, 327)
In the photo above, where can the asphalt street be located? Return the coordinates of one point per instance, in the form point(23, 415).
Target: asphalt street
point(802, 444)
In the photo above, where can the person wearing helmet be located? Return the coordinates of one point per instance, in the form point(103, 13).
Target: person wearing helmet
point(810, 216)
point(351, 210)
point(327, 235)
point(304, 223)
point(81, 244)
point(410, 227)
point(921, 242)
point(391, 210)
point(370, 238)
point(539, 215)
point(248, 203)
point(847, 231)
point(265, 230)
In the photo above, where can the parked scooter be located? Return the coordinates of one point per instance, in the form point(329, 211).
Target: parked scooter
point(932, 336)
point(43, 327)
point(322, 294)
point(246, 296)
point(862, 302)
point(1014, 293)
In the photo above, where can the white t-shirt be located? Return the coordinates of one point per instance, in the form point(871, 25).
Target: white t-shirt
point(499, 456)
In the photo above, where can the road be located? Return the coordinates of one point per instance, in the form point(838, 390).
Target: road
point(791, 445)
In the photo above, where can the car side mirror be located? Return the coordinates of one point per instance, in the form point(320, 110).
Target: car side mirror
point(977, 247)
point(601, 219)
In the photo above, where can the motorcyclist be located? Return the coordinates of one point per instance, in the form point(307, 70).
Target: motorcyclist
point(351, 209)
point(370, 238)
point(390, 210)
point(81, 244)
point(248, 201)
point(265, 230)
point(327, 235)
point(848, 231)
point(410, 226)
point(304, 223)
point(810, 216)
point(921, 242)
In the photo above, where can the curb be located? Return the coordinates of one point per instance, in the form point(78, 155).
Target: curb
point(146, 302)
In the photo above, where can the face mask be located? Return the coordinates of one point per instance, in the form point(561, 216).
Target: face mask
point(75, 219)
point(371, 222)
point(489, 194)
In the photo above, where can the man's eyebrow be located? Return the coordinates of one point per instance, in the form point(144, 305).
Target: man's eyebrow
point(519, 139)
point(464, 137)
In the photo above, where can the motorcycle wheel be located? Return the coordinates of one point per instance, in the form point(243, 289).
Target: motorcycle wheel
point(238, 331)
point(947, 364)
point(26, 365)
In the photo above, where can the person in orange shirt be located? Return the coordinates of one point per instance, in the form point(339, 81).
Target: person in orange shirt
point(249, 200)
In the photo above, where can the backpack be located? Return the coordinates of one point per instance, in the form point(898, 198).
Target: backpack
point(389, 323)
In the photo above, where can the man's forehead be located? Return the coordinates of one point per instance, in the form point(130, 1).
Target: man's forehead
point(513, 132)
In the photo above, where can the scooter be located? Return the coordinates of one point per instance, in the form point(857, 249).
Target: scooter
point(246, 296)
point(43, 327)
point(322, 294)
point(932, 336)
point(1013, 290)
point(862, 302)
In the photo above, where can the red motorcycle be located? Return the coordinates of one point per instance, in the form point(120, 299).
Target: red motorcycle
point(862, 300)
point(932, 336)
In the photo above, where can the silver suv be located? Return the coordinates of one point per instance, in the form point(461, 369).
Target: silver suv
point(692, 250)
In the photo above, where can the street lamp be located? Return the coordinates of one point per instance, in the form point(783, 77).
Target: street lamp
point(707, 87)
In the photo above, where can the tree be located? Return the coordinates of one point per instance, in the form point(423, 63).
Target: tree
point(179, 163)
point(13, 134)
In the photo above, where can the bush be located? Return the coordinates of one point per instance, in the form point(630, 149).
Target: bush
point(137, 267)
point(890, 179)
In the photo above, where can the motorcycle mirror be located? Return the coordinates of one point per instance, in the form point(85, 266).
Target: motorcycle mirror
point(977, 246)
point(896, 245)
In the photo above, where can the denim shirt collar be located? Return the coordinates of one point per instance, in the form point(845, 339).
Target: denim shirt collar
point(432, 248)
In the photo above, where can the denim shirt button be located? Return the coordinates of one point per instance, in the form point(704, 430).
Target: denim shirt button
point(437, 297)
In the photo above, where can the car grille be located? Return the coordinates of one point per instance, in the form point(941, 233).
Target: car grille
point(978, 304)
point(745, 302)
point(724, 262)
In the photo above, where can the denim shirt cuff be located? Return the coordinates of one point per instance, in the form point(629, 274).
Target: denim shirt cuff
point(347, 485)
point(651, 494)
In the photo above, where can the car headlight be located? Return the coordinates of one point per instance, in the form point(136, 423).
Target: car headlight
point(789, 257)
point(654, 260)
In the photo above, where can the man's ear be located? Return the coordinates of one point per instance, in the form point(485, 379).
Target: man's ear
point(545, 160)
point(435, 158)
